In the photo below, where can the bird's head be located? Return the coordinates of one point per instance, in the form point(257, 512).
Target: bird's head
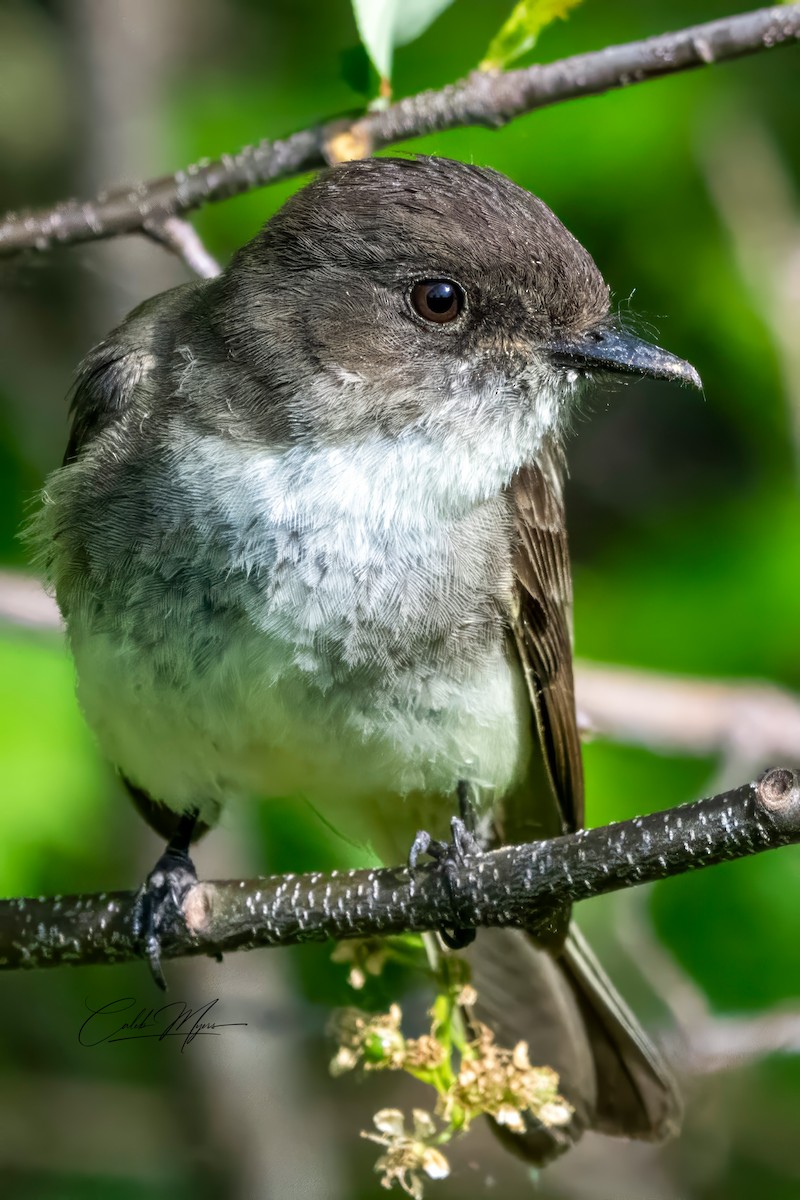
point(392, 294)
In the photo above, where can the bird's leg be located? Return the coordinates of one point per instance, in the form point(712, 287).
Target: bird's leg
point(466, 811)
point(448, 855)
point(160, 900)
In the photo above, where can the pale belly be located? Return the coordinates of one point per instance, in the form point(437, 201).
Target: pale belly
point(321, 623)
point(377, 763)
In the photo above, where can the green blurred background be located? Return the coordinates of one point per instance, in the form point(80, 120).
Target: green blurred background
point(684, 517)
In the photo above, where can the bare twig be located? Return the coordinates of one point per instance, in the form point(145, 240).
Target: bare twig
point(701, 1041)
point(636, 938)
point(690, 716)
point(183, 239)
point(516, 885)
point(722, 1043)
point(483, 98)
point(23, 601)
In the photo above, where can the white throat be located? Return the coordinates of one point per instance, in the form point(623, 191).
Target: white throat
point(378, 485)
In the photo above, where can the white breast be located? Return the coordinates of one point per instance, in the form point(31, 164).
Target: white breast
point(316, 568)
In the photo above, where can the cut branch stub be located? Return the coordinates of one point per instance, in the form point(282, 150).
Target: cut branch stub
point(778, 792)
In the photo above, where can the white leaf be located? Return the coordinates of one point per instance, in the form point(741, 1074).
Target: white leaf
point(384, 24)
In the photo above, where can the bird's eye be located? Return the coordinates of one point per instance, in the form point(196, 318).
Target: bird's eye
point(437, 300)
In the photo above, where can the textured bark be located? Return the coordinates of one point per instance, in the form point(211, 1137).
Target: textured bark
point(517, 885)
point(484, 98)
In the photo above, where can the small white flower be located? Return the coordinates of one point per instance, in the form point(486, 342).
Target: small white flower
point(390, 1121)
point(345, 1060)
point(467, 997)
point(357, 979)
point(510, 1117)
point(424, 1127)
point(467, 1076)
point(554, 1113)
point(520, 1058)
point(434, 1164)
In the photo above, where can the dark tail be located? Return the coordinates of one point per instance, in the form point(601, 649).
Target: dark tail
point(573, 1020)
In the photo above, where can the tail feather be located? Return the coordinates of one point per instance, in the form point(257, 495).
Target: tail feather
point(574, 1021)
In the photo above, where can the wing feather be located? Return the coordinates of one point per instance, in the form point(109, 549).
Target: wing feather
point(541, 627)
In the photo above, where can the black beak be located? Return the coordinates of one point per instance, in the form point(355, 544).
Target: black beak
point(608, 350)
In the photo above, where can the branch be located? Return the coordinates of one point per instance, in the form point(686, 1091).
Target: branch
point(24, 602)
point(183, 240)
point(483, 98)
point(516, 885)
point(723, 1042)
point(682, 715)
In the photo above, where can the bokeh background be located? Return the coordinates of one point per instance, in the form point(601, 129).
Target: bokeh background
point(684, 518)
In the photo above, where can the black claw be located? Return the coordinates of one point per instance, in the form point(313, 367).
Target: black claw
point(160, 901)
point(457, 939)
point(424, 844)
point(464, 844)
point(449, 855)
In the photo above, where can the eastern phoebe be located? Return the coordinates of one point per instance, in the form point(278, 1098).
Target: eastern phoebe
point(308, 540)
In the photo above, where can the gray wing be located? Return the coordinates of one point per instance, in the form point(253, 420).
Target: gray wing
point(103, 391)
point(540, 623)
point(111, 381)
point(137, 357)
point(563, 1007)
point(548, 990)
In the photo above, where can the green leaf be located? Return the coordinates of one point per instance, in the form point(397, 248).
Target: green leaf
point(54, 781)
point(385, 24)
point(521, 31)
point(357, 71)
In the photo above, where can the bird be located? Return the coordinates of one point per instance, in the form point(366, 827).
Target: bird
point(309, 541)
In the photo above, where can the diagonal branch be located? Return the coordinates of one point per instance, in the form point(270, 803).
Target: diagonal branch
point(516, 885)
point(746, 719)
point(184, 241)
point(483, 98)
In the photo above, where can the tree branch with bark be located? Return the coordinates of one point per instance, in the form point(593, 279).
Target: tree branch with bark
point(491, 98)
point(514, 886)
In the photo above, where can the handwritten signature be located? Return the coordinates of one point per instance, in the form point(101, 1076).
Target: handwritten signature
point(173, 1020)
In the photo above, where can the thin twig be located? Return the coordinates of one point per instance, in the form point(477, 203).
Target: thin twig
point(483, 98)
point(689, 716)
point(516, 885)
point(721, 1043)
point(183, 239)
point(24, 602)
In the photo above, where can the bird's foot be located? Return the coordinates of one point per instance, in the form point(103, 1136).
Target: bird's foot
point(159, 903)
point(462, 845)
point(449, 855)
